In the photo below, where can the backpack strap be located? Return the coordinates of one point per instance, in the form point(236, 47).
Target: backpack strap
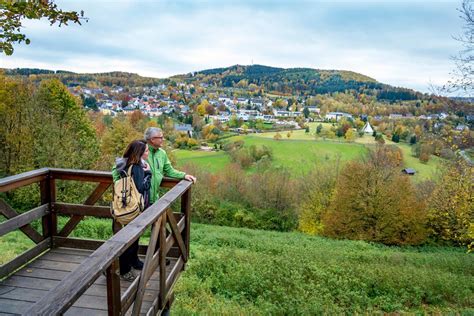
point(129, 172)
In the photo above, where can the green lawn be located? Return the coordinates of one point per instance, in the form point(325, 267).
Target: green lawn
point(295, 154)
point(301, 154)
point(301, 151)
point(424, 171)
point(211, 161)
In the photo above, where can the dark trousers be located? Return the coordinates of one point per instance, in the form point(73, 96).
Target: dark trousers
point(129, 258)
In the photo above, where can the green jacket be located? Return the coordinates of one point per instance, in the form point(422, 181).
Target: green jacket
point(160, 167)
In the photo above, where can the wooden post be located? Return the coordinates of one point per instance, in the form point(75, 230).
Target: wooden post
point(114, 305)
point(162, 258)
point(45, 199)
point(186, 210)
point(52, 200)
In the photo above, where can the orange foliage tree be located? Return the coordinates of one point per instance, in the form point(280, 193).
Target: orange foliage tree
point(373, 201)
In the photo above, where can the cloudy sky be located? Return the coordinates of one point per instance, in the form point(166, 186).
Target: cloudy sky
point(403, 43)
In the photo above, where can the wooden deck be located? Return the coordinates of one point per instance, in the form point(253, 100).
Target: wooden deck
point(26, 286)
point(74, 276)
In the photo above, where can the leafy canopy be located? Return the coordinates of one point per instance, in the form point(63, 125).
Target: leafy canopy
point(12, 14)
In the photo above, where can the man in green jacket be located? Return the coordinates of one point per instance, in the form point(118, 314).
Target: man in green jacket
point(159, 163)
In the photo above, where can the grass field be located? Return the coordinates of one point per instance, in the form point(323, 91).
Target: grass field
point(242, 271)
point(302, 151)
point(211, 161)
point(249, 272)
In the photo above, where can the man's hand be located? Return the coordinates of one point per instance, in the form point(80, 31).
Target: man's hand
point(190, 178)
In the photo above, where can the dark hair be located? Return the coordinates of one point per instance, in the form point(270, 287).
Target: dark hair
point(134, 152)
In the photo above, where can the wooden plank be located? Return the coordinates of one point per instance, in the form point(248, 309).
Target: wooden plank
point(23, 219)
point(86, 244)
point(91, 200)
point(26, 256)
point(57, 275)
point(182, 223)
point(174, 274)
point(63, 257)
point(162, 258)
point(66, 292)
point(146, 272)
point(53, 265)
point(186, 210)
point(13, 306)
point(176, 233)
point(113, 289)
point(33, 295)
point(29, 231)
point(75, 311)
point(23, 179)
point(129, 295)
point(81, 175)
point(169, 182)
point(72, 251)
point(82, 210)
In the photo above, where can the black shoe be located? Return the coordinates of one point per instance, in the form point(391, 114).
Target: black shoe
point(138, 265)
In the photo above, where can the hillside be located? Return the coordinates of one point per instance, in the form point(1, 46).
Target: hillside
point(241, 271)
point(109, 79)
point(235, 271)
point(281, 81)
point(298, 81)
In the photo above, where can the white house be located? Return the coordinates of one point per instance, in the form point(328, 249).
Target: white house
point(337, 116)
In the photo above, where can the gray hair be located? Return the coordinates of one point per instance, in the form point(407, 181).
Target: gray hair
point(151, 131)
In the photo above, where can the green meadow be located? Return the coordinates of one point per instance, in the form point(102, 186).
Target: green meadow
point(301, 151)
point(238, 271)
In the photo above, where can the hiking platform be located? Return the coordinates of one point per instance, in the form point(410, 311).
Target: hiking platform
point(76, 276)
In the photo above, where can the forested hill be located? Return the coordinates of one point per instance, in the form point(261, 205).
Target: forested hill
point(298, 81)
point(291, 81)
point(110, 79)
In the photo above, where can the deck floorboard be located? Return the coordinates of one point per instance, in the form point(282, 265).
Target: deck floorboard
point(29, 284)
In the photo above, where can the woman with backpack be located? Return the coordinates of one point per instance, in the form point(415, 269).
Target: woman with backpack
point(134, 164)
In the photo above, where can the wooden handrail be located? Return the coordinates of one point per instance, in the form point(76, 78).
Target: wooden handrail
point(60, 298)
point(23, 179)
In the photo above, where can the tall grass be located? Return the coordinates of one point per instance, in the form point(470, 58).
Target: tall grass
point(241, 271)
point(251, 272)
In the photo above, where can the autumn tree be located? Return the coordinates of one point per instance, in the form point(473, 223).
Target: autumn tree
point(16, 123)
point(316, 191)
point(373, 201)
point(115, 140)
point(64, 136)
point(201, 108)
point(451, 207)
point(350, 135)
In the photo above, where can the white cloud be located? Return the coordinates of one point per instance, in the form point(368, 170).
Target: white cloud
point(395, 42)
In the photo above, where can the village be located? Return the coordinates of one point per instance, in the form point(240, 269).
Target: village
point(222, 108)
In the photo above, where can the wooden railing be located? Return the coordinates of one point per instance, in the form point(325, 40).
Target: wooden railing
point(106, 255)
